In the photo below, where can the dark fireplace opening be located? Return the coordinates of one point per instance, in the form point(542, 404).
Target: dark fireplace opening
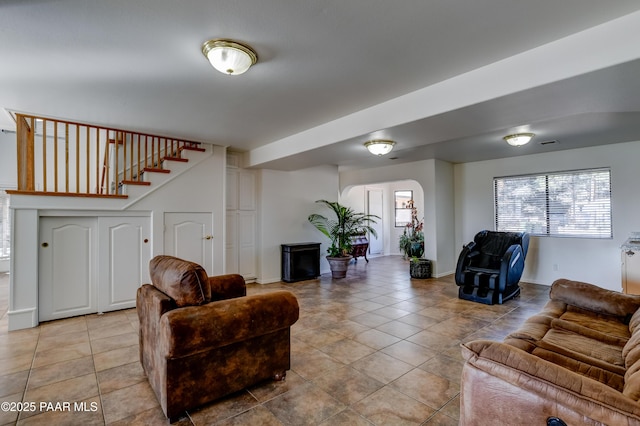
point(300, 261)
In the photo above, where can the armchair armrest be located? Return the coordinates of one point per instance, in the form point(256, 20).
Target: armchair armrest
point(151, 304)
point(187, 330)
point(512, 265)
point(593, 298)
point(463, 259)
point(227, 286)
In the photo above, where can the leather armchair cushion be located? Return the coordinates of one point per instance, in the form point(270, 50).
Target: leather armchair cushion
point(188, 330)
point(185, 282)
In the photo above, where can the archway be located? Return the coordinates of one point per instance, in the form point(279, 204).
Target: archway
point(365, 198)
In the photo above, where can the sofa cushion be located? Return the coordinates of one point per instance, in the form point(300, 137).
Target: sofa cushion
point(631, 354)
point(584, 341)
point(593, 323)
point(595, 299)
point(185, 282)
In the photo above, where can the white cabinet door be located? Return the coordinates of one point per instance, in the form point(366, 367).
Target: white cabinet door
point(246, 190)
point(246, 232)
point(124, 254)
point(231, 243)
point(241, 223)
point(67, 267)
point(631, 271)
point(232, 190)
point(189, 236)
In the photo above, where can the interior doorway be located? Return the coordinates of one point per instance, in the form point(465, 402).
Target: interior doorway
point(375, 206)
point(378, 199)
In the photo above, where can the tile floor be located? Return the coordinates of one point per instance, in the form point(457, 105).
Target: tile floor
point(375, 348)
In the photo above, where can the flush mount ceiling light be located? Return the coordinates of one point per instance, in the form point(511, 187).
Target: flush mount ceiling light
point(379, 147)
point(228, 56)
point(518, 139)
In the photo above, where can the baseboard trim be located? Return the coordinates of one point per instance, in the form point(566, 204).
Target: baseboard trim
point(23, 318)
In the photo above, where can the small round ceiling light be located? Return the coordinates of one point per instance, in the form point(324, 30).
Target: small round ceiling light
point(379, 147)
point(228, 56)
point(519, 139)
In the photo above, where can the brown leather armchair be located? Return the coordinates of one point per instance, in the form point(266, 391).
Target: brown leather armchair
point(202, 338)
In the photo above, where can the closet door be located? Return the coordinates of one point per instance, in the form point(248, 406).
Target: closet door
point(190, 236)
point(124, 254)
point(67, 267)
point(246, 240)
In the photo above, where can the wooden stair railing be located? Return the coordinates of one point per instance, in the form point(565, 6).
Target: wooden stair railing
point(59, 157)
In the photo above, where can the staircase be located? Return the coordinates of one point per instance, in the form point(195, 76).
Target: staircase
point(63, 158)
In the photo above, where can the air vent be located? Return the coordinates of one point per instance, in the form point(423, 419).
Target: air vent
point(393, 158)
point(548, 142)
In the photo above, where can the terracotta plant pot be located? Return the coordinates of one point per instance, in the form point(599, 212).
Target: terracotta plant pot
point(339, 265)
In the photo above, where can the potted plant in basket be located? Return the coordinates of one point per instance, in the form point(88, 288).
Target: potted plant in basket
point(412, 238)
point(346, 224)
point(412, 246)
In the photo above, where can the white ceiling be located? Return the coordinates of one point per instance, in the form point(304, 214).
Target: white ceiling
point(445, 79)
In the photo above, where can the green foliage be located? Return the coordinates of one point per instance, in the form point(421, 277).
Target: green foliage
point(411, 242)
point(346, 224)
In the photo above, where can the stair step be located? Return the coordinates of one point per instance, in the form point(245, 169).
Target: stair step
point(184, 160)
point(193, 148)
point(135, 182)
point(150, 169)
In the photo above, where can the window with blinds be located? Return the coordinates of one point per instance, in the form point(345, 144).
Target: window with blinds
point(561, 204)
point(4, 226)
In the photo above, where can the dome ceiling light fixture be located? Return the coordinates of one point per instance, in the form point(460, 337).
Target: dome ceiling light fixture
point(518, 139)
point(229, 56)
point(379, 147)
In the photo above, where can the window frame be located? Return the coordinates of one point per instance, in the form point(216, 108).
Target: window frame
point(407, 210)
point(556, 223)
point(5, 229)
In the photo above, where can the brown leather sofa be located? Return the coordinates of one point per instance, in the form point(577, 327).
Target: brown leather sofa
point(578, 360)
point(202, 338)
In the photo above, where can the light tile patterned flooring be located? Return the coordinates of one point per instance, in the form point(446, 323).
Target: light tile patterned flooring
point(374, 348)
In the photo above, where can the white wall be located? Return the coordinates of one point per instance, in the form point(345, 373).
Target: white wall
point(591, 260)
point(286, 199)
point(8, 172)
point(8, 155)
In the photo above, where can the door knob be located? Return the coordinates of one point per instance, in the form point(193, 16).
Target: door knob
point(45, 244)
point(208, 237)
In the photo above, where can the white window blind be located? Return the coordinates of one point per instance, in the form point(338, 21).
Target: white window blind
point(565, 204)
point(5, 230)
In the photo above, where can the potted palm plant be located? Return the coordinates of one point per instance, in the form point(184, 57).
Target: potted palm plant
point(340, 230)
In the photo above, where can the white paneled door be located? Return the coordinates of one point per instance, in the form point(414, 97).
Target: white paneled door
point(91, 264)
point(67, 267)
point(124, 254)
point(190, 236)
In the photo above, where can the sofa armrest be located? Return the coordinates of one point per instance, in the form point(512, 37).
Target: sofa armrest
point(511, 375)
point(191, 329)
point(595, 299)
point(227, 286)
